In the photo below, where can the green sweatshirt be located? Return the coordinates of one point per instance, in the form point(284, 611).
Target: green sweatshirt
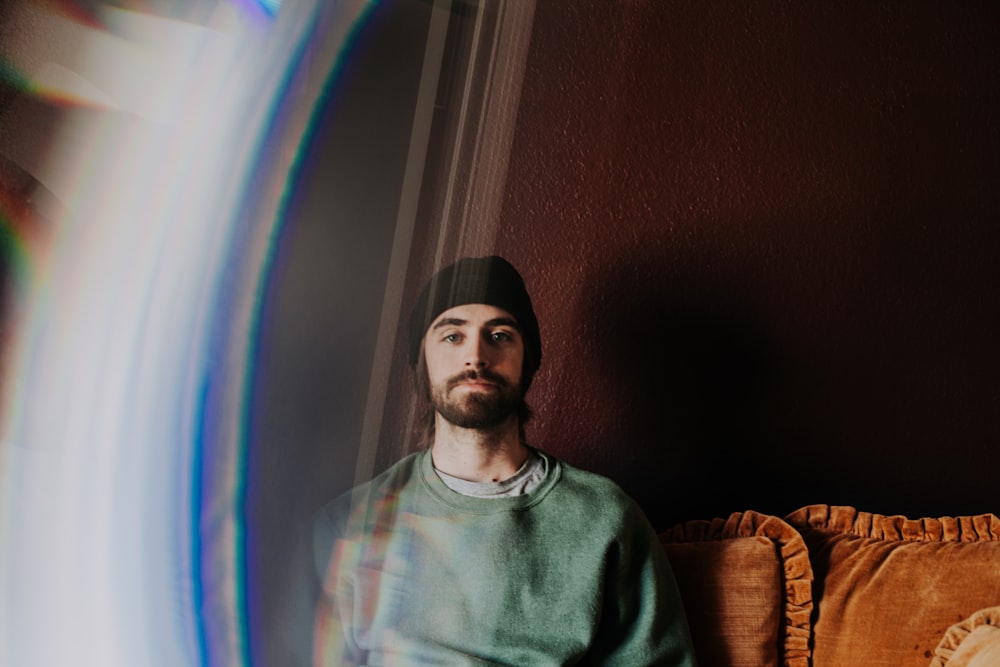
point(568, 574)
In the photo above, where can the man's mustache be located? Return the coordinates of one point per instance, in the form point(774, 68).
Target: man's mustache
point(473, 375)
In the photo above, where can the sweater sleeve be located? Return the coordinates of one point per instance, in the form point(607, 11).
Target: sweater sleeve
point(643, 621)
point(333, 643)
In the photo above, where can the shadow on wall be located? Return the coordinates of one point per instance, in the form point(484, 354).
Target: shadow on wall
point(689, 381)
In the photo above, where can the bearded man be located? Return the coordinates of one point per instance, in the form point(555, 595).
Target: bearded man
point(481, 549)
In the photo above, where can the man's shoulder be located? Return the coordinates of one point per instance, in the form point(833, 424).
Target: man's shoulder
point(583, 478)
point(590, 487)
point(358, 510)
point(389, 482)
point(588, 499)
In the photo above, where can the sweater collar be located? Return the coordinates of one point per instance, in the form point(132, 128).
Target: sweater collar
point(440, 491)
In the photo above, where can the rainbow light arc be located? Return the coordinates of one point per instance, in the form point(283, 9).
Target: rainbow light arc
point(125, 382)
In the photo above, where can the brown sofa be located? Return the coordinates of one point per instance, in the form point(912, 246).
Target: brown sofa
point(830, 586)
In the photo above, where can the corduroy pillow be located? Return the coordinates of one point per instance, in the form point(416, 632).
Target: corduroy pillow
point(975, 642)
point(746, 584)
point(888, 587)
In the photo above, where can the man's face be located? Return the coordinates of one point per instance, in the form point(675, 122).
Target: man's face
point(474, 355)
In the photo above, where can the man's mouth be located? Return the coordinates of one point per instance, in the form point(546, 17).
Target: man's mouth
point(476, 379)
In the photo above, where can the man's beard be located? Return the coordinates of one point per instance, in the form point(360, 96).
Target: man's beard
point(476, 410)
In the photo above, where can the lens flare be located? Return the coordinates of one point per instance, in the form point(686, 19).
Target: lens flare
point(169, 144)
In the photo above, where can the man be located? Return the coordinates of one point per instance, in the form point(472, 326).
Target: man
point(480, 549)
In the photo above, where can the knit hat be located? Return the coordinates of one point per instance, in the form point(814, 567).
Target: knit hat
point(488, 280)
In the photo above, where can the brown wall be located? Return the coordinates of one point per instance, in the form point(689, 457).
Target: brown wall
point(761, 240)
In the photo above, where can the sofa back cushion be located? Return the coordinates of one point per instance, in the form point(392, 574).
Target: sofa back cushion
point(746, 586)
point(887, 587)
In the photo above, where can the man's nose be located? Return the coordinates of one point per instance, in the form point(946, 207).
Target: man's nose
point(477, 353)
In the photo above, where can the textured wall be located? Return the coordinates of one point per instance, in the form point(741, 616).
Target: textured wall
point(761, 239)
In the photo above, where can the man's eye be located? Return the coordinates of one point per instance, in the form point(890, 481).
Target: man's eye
point(500, 336)
point(452, 338)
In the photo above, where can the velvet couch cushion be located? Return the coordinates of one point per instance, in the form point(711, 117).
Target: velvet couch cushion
point(975, 642)
point(746, 586)
point(888, 587)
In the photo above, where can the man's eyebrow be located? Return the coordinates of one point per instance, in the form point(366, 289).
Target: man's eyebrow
point(459, 322)
point(449, 322)
point(504, 322)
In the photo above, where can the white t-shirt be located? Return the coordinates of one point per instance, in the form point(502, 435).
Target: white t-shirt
point(527, 477)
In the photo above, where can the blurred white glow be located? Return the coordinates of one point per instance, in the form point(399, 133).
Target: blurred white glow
point(116, 548)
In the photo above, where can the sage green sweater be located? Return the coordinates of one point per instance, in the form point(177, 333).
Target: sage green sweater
point(568, 574)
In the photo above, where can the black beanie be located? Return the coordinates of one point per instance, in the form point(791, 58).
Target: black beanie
point(488, 280)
